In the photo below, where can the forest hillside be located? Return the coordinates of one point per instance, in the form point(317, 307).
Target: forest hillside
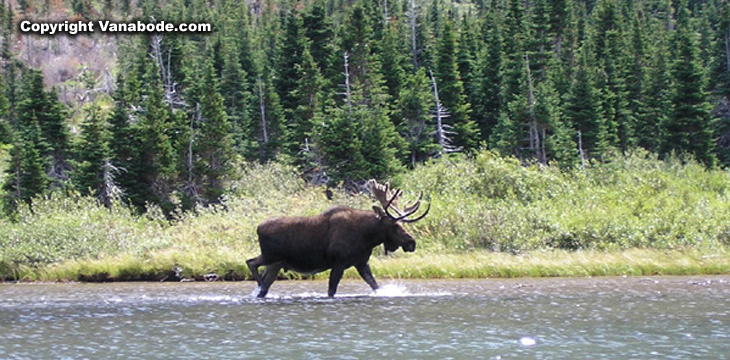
point(351, 90)
point(568, 124)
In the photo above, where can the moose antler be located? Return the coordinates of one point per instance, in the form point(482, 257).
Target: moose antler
point(389, 200)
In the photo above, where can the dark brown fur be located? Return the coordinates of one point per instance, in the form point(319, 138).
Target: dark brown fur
point(337, 239)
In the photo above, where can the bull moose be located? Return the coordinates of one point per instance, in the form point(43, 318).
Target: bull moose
point(337, 239)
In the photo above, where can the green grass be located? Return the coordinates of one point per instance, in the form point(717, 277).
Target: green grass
point(549, 263)
point(490, 217)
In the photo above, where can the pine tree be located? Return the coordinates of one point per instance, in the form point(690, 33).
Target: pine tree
point(451, 91)
point(25, 176)
point(356, 139)
point(513, 50)
point(5, 126)
point(238, 99)
point(413, 117)
point(583, 108)
point(488, 105)
point(38, 106)
point(319, 30)
point(298, 87)
point(620, 121)
point(689, 127)
point(539, 44)
point(152, 170)
point(214, 145)
point(91, 153)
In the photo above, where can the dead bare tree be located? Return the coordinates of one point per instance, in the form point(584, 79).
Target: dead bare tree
point(110, 191)
point(347, 93)
point(537, 130)
point(443, 131)
point(262, 109)
point(163, 58)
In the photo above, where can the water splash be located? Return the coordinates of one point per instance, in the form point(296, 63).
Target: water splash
point(393, 290)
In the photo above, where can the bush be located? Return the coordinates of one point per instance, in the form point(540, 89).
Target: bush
point(482, 203)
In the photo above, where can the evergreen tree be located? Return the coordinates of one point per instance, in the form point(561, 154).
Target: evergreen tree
point(451, 92)
point(488, 105)
point(583, 108)
point(238, 99)
point(298, 86)
point(43, 108)
point(5, 127)
point(91, 153)
point(513, 50)
point(214, 144)
point(540, 41)
point(152, 169)
point(413, 117)
point(620, 122)
point(656, 91)
point(25, 176)
point(689, 127)
point(319, 30)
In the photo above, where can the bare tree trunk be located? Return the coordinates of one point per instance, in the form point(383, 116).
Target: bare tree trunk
point(439, 123)
point(534, 131)
point(109, 191)
point(348, 94)
point(189, 187)
point(262, 108)
point(580, 149)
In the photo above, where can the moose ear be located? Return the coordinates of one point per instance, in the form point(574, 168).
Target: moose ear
point(378, 211)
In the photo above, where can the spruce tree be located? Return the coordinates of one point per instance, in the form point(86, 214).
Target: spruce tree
point(319, 30)
point(689, 126)
point(213, 147)
point(25, 176)
point(583, 108)
point(414, 119)
point(488, 105)
point(38, 106)
point(513, 50)
point(153, 165)
point(91, 153)
point(451, 91)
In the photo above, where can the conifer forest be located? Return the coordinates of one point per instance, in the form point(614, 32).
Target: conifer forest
point(348, 90)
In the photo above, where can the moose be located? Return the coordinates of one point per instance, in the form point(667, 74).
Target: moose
point(337, 239)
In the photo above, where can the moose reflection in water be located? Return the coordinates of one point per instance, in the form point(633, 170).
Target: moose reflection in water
point(337, 239)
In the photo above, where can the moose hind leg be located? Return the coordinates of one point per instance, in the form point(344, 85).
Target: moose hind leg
point(253, 266)
point(335, 276)
point(270, 274)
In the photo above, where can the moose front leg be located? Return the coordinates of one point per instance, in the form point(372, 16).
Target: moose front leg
point(367, 275)
point(335, 276)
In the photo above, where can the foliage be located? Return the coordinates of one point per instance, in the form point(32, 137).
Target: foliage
point(487, 203)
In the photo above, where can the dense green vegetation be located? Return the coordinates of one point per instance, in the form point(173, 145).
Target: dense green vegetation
point(585, 125)
point(634, 215)
point(347, 91)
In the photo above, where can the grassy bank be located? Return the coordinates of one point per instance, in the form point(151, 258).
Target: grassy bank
point(490, 217)
point(551, 263)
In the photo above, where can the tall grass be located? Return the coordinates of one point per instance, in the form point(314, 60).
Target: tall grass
point(490, 216)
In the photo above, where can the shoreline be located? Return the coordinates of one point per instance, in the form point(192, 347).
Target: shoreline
point(428, 265)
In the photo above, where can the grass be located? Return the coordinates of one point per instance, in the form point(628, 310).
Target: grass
point(490, 217)
point(482, 264)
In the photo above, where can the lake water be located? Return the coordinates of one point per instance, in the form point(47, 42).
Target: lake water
point(590, 318)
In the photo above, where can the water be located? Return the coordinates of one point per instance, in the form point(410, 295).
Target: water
point(596, 318)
